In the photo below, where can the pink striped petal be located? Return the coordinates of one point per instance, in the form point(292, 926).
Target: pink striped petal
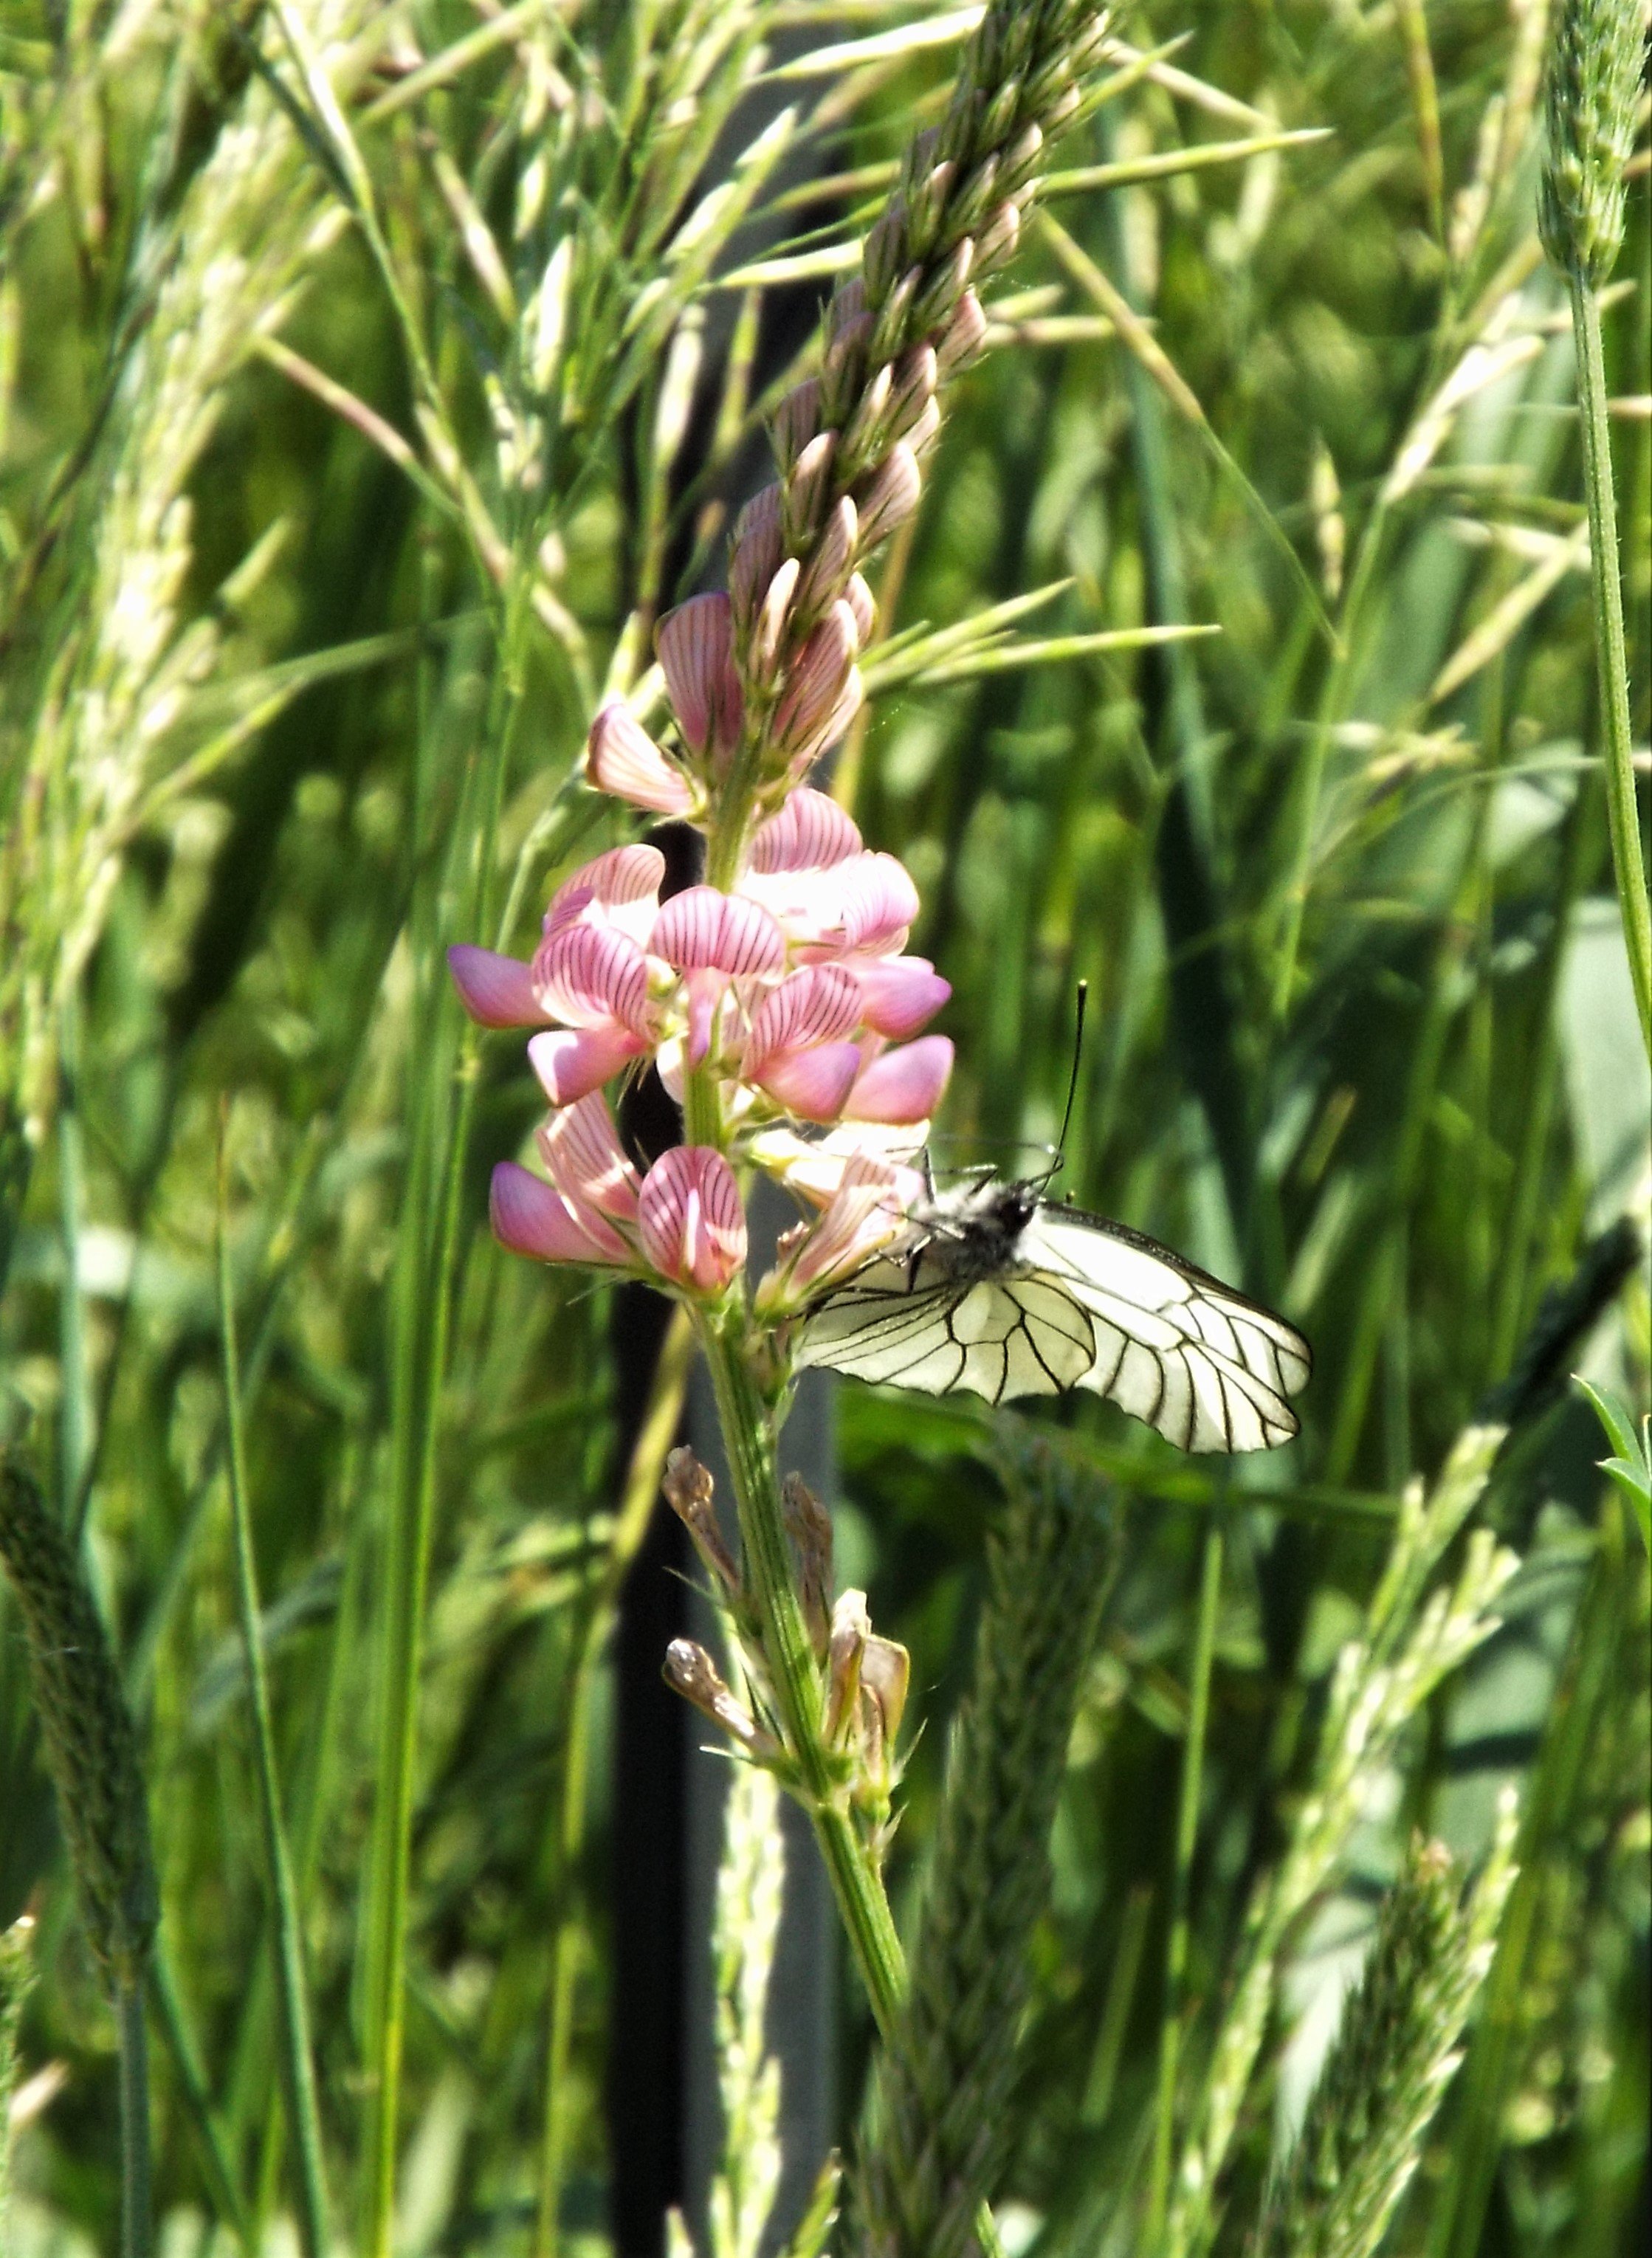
point(622, 758)
point(692, 1225)
point(809, 831)
point(705, 992)
point(899, 993)
point(497, 992)
point(879, 902)
point(904, 1085)
point(696, 648)
point(704, 927)
point(815, 1084)
point(819, 1004)
point(621, 888)
point(818, 677)
point(581, 1149)
point(807, 750)
point(571, 1065)
point(587, 974)
point(866, 1213)
point(532, 1217)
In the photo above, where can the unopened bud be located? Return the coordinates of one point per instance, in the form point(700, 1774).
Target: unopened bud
point(860, 599)
point(848, 305)
point(804, 497)
point(975, 198)
point(894, 323)
point(865, 426)
point(1004, 105)
point(688, 1492)
point(925, 430)
point(928, 208)
point(829, 568)
point(817, 676)
point(769, 626)
point(997, 240)
point(886, 1671)
point(757, 552)
point(1022, 158)
point(890, 495)
point(809, 1526)
point(934, 306)
point(885, 254)
point(843, 371)
point(796, 421)
point(962, 337)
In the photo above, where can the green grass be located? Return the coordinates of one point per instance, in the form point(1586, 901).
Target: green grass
point(1361, 1035)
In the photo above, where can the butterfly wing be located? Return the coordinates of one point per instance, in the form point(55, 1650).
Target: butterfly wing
point(1175, 1347)
point(907, 1324)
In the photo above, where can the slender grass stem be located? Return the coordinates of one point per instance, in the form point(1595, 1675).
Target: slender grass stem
point(1623, 815)
point(1186, 1838)
point(137, 2203)
point(427, 1289)
point(73, 1421)
point(636, 1506)
point(298, 2060)
point(216, 2164)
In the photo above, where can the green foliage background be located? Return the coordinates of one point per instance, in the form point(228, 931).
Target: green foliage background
point(1361, 1035)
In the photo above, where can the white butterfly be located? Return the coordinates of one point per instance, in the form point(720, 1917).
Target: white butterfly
point(1005, 1294)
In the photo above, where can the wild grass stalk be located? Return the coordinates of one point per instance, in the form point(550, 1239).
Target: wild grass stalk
point(298, 2061)
point(92, 1753)
point(942, 2127)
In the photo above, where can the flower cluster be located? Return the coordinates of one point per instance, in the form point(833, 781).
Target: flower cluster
point(785, 997)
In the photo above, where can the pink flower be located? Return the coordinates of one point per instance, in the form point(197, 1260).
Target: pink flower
point(497, 992)
point(622, 758)
point(619, 889)
point(691, 1221)
point(902, 1085)
point(533, 1218)
point(866, 1214)
point(703, 929)
point(571, 1064)
point(583, 1154)
point(796, 1051)
point(898, 994)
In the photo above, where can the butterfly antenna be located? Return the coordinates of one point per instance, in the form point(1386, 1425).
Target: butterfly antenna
point(1072, 1084)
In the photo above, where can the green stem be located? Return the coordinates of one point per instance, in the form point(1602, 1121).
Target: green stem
point(748, 1436)
point(214, 2162)
point(747, 1429)
point(1187, 1837)
point(1623, 815)
point(298, 2060)
point(429, 1270)
point(137, 2239)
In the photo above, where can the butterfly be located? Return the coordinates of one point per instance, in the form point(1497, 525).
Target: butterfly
point(996, 1290)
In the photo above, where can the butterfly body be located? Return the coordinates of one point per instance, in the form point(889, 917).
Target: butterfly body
point(999, 1292)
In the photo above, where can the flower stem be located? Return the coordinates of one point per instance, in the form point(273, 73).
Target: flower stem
point(748, 1439)
point(1623, 816)
point(136, 2235)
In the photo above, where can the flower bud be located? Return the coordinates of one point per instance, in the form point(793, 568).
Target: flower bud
point(1589, 113)
point(828, 570)
point(757, 557)
point(797, 422)
point(893, 321)
point(861, 601)
point(769, 626)
point(1022, 158)
point(997, 240)
point(962, 337)
point(889, 496)
point(817, 676)
point(886, 253)
point(934, 307)
point(804, 497)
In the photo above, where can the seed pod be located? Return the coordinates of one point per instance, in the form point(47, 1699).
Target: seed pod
point(690, 1672)
point(809, 1526)
point(688, 1492)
